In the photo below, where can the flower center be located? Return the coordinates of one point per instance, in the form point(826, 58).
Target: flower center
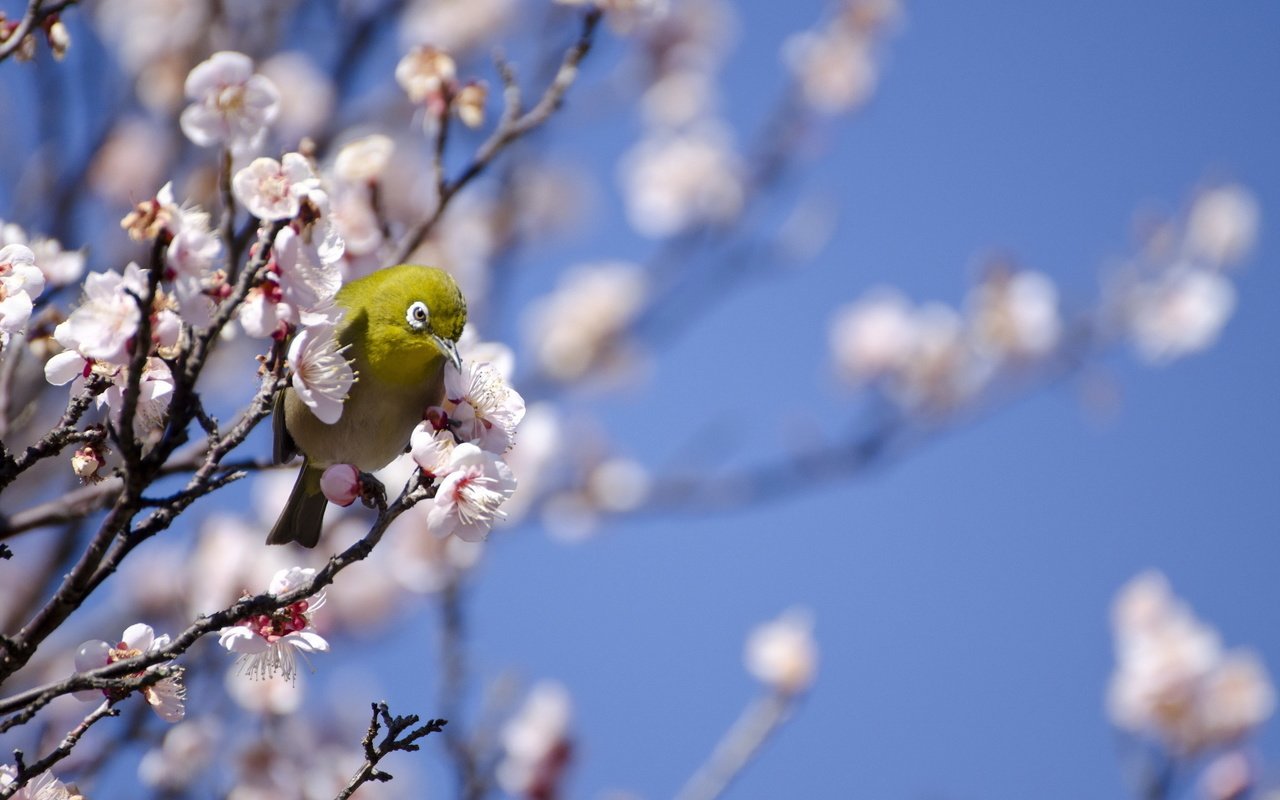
point(230, 99)
point(476, 502)
point(274, 627)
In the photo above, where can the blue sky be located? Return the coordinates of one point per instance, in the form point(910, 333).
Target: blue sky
point(961, 595)
point(961, 592)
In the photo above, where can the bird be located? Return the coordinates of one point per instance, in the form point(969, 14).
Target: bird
point(399, 328)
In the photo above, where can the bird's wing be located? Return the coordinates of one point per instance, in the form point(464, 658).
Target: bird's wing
point(283, 447)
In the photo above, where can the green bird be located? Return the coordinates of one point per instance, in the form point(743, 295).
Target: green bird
point(401, 324)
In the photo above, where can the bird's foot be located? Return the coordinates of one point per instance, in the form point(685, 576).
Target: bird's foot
point(372, 493)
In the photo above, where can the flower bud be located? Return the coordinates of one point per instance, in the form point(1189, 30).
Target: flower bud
point(86, 462)
point(341, 484)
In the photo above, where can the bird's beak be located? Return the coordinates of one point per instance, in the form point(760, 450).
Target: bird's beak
point(450, 349)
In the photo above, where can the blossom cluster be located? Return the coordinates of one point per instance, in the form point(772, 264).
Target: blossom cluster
point(931, 357)
point(166, 697)
point(1173, 680)
point(835, 66)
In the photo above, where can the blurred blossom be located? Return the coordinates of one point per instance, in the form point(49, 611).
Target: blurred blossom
point(1222, 226)
point(229, 555)
point(570, 516)
point(427, 76)
point(494, 353)
point(674, 182)
point(42, 787)
point(363, 160)
point(874, 336)
point(275, 694)
point(185, 751)
point(269, 644)
point(230, 104)
point(689, 34)
point(1179, 312)
point(782, 654)
point(536, 744)
point(307, 106)
point(469, 104)
point(1015, 314)
point(582, 323)
point(679, 98)
point(59, 267)
point(835, 70)
point(131, 161)
point(1172, 679)
point(541, 444)
point(143, 30)
point(1228, 776)
point(20, 281)
point(455, 25)
point(618, 485)
point(166, 697)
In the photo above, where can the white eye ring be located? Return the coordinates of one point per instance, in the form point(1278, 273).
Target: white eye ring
point(418, 316)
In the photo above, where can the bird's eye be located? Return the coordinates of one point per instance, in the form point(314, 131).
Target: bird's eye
point(417, 316)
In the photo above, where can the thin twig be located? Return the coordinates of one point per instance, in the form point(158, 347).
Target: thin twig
point(511, 127)
point(739, 745)
point(28, 771)
point(391, 742)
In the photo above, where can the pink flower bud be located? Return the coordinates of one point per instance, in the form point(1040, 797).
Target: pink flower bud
point(341, 484)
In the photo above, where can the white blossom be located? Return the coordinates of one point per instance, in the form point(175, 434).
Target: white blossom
point(230, 104)
point(469, 499)
point(673, 182)
point(20, 282)
point(363, 160)
point(874, 336)
point(1179, 312)
point(101, 328)
point(584, 321)
point(782, 654)
point(322, 376)
point(42, 787)
point(166, 697)
point(1016, 315)
point(1222, 226)
point(431, 448)
point(535, 742)
point(268, 644)
point(1173, 681)
point(275, 190)
point(483, 409)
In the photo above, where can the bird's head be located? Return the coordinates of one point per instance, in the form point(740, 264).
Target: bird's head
point(409, 318)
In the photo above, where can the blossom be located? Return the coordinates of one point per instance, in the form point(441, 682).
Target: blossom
point(322, 376)
point(102, 328)
point(1179, 312)
point(835, 69)
point(267, 642)
point(20, 282)
point(431, 448)
point(275, 190)
point(230, 104)
point(874, 336)
point(469, 499)
point(42, 787)
point(1172, 678)
point(1222, 225)
point(166, 696)
point(536, 744)
point(469, 104)
point(427, 76)
point(582, 322)
point(482, 408)
point(341, 484)
point(185, 751)
point(307, 272)
point(782, 653)
point(673, 182)
point(363, 160)
point(1016, 315)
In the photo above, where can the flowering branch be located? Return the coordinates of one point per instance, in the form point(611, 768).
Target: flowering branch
point(512, 126)
point(37, 12)
point(26, 772)
point(392, 741)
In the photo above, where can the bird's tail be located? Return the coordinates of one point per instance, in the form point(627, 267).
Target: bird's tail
point(303, 514)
